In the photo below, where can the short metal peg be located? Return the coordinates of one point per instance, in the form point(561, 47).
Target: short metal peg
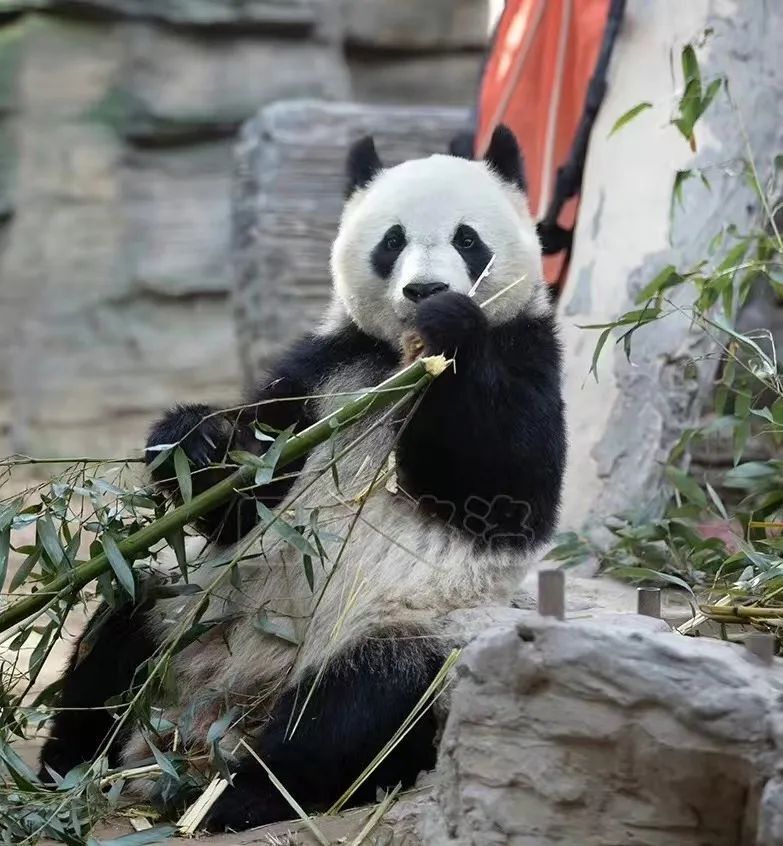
point(551, 593)
point(648, 602)
point(761, 644)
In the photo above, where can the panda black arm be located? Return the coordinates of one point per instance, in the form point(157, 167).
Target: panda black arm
point(486, 447)
point(207, 435)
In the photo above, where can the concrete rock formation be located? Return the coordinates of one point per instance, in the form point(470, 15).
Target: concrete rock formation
point(117, 121)
point(623, 426)
point(594, 733)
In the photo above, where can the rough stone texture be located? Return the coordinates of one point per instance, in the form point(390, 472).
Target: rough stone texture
point(412, 24)
point(566, 733)
point(624, 426)
point(770, 830)
point(116, 127)
point(115, 267)
point(288, 197)
point(266, 13)
point(452, 79)
point(180, 85)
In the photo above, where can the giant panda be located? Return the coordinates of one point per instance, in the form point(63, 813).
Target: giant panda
point(451, 522)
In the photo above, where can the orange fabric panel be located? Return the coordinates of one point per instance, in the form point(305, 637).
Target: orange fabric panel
point(536, 82)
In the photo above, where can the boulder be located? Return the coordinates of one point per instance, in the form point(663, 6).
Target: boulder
point(597, 733)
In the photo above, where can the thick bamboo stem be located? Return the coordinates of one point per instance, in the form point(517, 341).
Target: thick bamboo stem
point(411, 379)
point(748, 612)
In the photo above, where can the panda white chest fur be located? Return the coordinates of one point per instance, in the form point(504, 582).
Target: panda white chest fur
point(342, 646)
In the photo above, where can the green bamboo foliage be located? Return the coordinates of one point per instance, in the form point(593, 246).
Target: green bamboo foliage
point(115, 555)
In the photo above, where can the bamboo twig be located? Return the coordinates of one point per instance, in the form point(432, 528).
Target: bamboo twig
point(411, 379)
point(744, 611)
point(700, 618)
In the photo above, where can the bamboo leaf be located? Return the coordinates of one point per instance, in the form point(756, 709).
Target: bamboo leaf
point(164, 454)
point(286, 531)
point(182, 469)
point(716, 501)
point(599, 345)
point(277, 626)
point(176, 540)
point(686, 485)
point(47, 535)
point(644, 574)
point(680, 178)
point(220, 726)
point(690, 69)
point(628, 116)
point(709, 94)
point(8, 512)
point(266, 470)
point(118, 563)
point(139, 838)
point(162, 761)
point(667, 278)
point(25, 568)
point(39, 654)
point(307, 563)
point(5, 549)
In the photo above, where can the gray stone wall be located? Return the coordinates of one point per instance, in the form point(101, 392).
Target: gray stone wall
point(117, 122)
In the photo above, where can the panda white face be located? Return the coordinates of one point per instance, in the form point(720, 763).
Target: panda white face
point(430, 225)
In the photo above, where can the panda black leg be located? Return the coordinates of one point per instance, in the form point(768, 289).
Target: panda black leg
point(359, 703)
point(103, 664)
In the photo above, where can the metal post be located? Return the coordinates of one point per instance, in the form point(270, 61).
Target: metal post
point(762, 645)
point(551, 593)
point(648, 602)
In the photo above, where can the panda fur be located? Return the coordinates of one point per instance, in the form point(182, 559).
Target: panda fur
point(479, 460)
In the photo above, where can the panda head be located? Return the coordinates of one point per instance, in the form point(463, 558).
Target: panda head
point(427, 225)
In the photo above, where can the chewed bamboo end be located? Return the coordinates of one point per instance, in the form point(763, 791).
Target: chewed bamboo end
point(435, 364)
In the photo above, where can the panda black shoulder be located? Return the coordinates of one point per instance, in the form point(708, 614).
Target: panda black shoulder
point(531, 343)
point(315, 356)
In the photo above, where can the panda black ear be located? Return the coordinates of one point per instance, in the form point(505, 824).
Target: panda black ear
point(462, 145)
point(363, 164)
point(504, 157)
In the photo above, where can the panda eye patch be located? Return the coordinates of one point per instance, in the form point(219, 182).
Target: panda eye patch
point(465, 238)
point(394, 239)
point(472, 249)
point(386, 252)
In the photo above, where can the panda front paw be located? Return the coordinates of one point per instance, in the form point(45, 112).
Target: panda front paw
point(449, 322)
point(203, 435)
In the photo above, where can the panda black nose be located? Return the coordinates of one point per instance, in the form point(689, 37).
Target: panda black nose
point(418, 291)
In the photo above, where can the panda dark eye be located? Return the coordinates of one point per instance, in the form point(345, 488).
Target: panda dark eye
point(394, 239)
point(465, 238)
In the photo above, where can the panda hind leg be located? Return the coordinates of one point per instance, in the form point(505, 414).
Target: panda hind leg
point(103, 665)
point(360, 701)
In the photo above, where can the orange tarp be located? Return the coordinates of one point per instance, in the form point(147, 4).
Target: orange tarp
point(536, 81)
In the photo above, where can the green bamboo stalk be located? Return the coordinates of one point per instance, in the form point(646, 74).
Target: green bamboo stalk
point(411, 380)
